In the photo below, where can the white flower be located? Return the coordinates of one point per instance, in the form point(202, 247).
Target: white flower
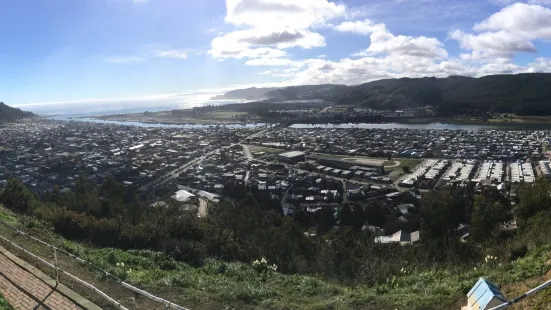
point(122, 265)
point(118, 264)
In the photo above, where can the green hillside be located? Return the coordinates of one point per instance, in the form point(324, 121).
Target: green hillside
point(521, 94)
point(207, 263)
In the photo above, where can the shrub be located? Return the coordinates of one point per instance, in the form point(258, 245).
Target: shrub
point(518, 251)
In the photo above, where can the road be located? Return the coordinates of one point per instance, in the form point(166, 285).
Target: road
point(247, 154)
point(176, 172)
point(247, 151)
point(345, 191)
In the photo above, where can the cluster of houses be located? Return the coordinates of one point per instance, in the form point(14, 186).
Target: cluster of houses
point(324, 114)
point(304, 178)
point(426, 174)
point(499, 145)
point(46, 153)
point(483, 173)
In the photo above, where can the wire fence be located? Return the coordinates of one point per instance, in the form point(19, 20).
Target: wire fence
point(531, 292)
point(166, 303)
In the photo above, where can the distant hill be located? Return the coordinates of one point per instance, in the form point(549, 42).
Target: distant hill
point(9, 114)
point(252, 93)
point(306, 92)
point(522, 94)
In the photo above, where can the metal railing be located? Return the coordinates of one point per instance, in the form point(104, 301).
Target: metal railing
point(533, 291)
point(57, 270)
point(168, 304)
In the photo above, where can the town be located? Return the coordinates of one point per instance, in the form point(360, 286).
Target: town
point(301, 170)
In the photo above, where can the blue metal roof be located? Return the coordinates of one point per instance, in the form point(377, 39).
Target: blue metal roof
point(483, 293)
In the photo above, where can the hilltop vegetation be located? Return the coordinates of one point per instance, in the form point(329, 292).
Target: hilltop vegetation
point(321, 261)
point(9, 114)
point(521, 94)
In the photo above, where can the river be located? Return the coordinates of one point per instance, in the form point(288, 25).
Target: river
point(154, 125)
point(444, 126)
point(543, 126)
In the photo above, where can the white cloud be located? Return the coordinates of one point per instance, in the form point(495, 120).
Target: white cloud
point(284, 13)
point(153, 53)
point(492, 44)
point(540, 64)
point(356, 71)
point(170, 54)
point(363, 27)
point(386, 42)
point(221, 50)
point(267, 27)
point(529, 21)
point(507, 32)
point(266, 37)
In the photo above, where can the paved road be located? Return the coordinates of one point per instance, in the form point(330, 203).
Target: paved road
point(28, 288)
point(247, 152)
point(344, 181)
point(345, 189)
point(176, 172)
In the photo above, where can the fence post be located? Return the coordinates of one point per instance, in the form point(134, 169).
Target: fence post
point(56, 267)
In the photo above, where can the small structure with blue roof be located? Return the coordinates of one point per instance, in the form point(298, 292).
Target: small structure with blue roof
point(483, 296)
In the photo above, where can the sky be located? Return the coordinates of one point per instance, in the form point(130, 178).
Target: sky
point(77, 54)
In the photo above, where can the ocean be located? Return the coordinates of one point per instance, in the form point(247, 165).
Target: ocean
point(123, 106)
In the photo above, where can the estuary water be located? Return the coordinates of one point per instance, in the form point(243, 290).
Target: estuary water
point(443, 126)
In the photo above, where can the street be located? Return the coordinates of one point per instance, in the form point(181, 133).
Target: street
point(176, 172)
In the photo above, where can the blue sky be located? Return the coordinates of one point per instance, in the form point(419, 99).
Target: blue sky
point(98, 51)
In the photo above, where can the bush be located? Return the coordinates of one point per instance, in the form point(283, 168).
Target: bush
point(518, 251)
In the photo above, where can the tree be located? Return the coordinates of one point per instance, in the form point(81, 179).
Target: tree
point(346, 216)
point(406, 169)
point(326, 220)
point(17, 196)
point(87, 197)
point(533, 199)
point(485, 218)
point(359, 217)
point(440, 215)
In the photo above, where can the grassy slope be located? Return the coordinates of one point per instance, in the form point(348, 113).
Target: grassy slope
point(4, 305)
point(237, 286)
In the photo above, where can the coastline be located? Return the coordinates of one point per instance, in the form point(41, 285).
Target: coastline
point(183, 117)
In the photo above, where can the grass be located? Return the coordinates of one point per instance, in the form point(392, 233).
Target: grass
point(233, 285)
point(409, 162)
point(4, 305)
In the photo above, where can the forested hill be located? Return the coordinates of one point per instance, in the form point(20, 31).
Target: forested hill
point(252, 93)
point(9, 114)
point(523, 94)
